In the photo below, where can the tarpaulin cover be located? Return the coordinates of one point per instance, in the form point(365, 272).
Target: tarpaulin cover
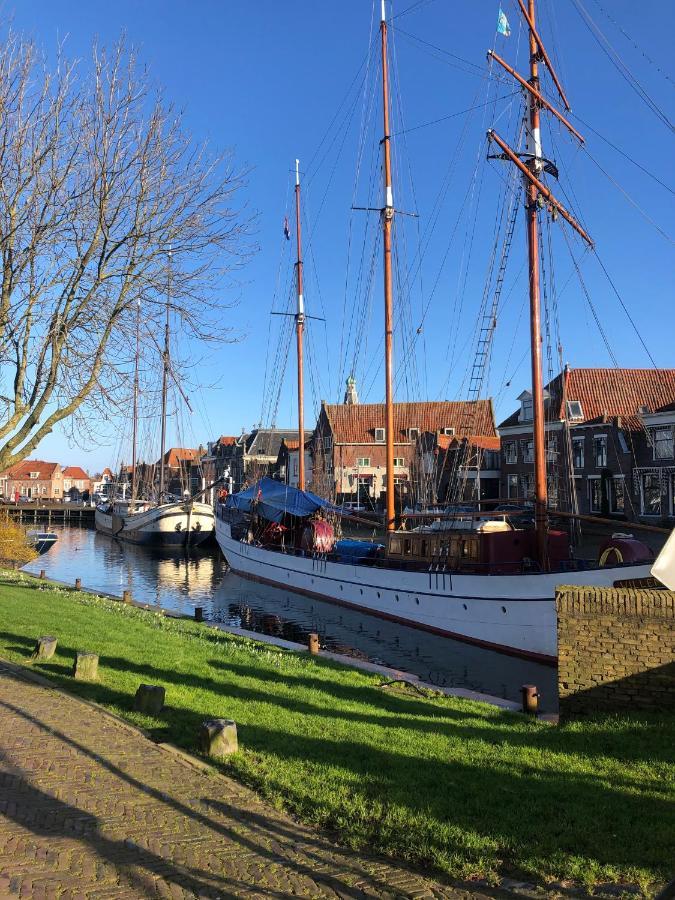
point(274, 500)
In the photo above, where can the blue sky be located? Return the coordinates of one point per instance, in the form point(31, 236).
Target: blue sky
point(276, 80)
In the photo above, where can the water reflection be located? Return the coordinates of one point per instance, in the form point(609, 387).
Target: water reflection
point(181, 583)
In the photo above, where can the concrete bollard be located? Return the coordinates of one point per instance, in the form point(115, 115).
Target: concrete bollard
point(530, 699)
point(43, 574)
point(199, 613)
point(313, 642)
point(78, 584)
point(126, 597)
point(45, 647)
point(218, 737)
point(149, 699)
point(85, 667)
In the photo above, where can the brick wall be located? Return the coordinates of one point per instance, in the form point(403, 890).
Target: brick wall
point(616, 650)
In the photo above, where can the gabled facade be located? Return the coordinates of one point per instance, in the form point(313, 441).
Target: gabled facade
point(287, 467)
point(610, 430)
point(32, 479)
point(75, 481)
point(348, 447)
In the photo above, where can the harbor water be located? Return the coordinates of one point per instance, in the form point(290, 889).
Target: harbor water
point(182, 583)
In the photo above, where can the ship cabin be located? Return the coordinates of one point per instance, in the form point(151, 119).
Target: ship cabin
point(496, 550)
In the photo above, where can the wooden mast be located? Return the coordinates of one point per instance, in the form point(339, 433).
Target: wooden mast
point(165, 381)
point(299, 329)
point(134, 438)
point(535, 164)
point(387, 222)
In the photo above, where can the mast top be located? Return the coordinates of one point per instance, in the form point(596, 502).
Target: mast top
point(297, 172)
point(384, 14)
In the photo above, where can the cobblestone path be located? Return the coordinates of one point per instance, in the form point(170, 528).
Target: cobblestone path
point(89, 808)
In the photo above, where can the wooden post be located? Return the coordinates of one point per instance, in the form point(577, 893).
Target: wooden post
point(218, 737)
point(45, 647)
point(78, 584)
point(530, 696)
point(85, 667)
point(126, 597)
point(313, 642)
point(199, 614)
point(42, 573)
point(149, 699)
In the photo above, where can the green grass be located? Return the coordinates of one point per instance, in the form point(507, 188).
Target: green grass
point(450, 785)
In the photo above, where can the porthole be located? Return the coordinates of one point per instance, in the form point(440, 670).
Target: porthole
point(504, 610)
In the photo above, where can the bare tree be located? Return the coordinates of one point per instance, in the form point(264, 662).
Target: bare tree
point(98, 180)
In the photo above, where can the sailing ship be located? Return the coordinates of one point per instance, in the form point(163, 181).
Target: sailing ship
point(164, 523)
point(481, 579)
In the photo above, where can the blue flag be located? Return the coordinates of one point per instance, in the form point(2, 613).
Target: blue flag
point(503, 26)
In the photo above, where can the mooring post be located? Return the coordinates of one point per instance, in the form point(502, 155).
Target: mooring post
point(85, 667)
point(126, 597)
point(78, 584)
point(45, 648)
point(313, 642)
point(42, 573)
point(218, 737)
point(199, 613)
point(530, 699)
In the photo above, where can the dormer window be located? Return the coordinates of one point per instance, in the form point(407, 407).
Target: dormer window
point(379, 435)
point(413, 434)
point(574, 409)
point(34, 475)
point(526, 408)
point(449, 431)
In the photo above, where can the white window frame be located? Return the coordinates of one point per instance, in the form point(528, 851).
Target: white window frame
point(413, 434)
point(579, 442)
point(612, 496)
point(600, 440)
point(512, 480)
point(623, 443)
point(508, 445)
point(527, 451)
point(552, 448)
point(399, 462)
point(666, 430)
point(575, 410)
point(449, 432)
point(328, 442)
point(378, 432)
point(653, 515)
point(527, 410)
point(594, 480)
point(362, 461)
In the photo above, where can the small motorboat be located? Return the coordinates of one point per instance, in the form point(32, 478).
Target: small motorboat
point(42, 540)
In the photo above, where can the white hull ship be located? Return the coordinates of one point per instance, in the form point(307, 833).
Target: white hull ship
point(514, 613)
point(169, 525)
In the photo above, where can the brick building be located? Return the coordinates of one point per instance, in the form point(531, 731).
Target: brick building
point(32, 479)
point(288, 461)
point(609, 432)
point(348, 447)
point(75, 482)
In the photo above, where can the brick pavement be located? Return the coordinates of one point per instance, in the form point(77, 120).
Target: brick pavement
point(89, 808)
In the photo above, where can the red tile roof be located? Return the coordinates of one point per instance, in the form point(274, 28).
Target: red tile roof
point(45, 470)
point(75, 472)
point(226, 441)
point(356, 424)
point(177, 455)
point(610, 392)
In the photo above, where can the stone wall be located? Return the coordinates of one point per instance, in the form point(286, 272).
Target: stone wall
point(616, 650)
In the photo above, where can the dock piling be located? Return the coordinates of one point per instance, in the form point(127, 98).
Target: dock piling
point(78, 584)
point(530, 696)
point(126, 597)
point(313, 642)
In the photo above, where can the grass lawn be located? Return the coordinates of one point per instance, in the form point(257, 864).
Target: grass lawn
point(447, 784)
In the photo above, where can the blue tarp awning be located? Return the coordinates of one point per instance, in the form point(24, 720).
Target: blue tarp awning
point(276, 500)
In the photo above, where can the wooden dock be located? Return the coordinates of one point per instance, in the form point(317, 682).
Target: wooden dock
point(51, 514)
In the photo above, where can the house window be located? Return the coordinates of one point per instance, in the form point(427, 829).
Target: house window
point(449, 431)
point(661, 440)
point(400, 481)
point(617, 499)
point(527, 451)
point(578, 452)
point(295, 467)
point(594, 495)
point(413, 434)
point(328, 443)
point(672, 495)
point(44, 491)
point(574, 410)
point(34, 475)
point(363, 461)
point(526, 413)
point(56, 492)
point(622, 442)
point(511, 485)
point(510, 453)
point(600, 451)
point(527, 486)
point(552, 490)
point(552, 449)
point(379, 435)
point(399, 462)
point(650, 494)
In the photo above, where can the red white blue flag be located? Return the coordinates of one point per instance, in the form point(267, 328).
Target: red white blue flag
point(287, 229)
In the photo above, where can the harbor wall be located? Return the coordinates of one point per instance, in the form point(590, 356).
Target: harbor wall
point(616, 650)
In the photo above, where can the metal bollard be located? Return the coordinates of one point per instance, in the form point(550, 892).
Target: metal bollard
point(530, 696)
point(43, 574)
point(199, 613)
point(78, 584)
point(313, 642)
point(126, 596)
